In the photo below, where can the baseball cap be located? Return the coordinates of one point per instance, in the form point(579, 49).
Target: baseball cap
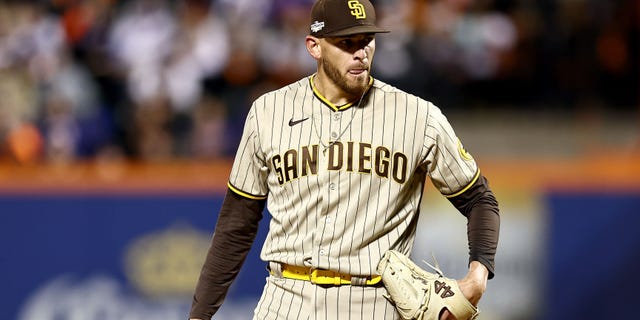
point(337, 18)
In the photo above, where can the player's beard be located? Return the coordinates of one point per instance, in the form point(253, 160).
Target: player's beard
point(352, 88)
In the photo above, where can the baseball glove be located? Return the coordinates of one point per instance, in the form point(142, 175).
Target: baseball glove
point(418, 294)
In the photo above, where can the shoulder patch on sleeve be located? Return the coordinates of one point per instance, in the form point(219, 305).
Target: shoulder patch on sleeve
point(463, 153)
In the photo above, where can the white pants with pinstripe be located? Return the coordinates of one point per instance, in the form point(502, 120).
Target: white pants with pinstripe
point(288, 299)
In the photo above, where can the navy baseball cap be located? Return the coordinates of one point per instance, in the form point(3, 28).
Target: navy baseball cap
point(337, 18)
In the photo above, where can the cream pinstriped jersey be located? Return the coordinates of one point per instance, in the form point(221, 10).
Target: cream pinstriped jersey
point(343, 183)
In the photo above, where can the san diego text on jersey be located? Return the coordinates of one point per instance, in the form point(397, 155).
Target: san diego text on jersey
point(360, 157)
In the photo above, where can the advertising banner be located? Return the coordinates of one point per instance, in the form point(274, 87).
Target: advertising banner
point(119, 256)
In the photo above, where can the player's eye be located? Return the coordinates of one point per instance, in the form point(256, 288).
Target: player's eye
point(346, 43)
point(352, 44)
point(366, 41)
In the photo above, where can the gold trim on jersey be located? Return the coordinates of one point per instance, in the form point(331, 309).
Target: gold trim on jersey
point(327, 102)
point(475, 178)
point(244, 194)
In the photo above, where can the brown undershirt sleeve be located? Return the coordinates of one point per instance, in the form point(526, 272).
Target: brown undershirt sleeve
point(234, 235)
point(480, 207)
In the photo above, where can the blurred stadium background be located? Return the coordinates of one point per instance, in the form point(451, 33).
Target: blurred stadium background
point(119, 120)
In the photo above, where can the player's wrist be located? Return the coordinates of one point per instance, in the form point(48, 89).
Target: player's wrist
point(474, 284)
point(478, 272)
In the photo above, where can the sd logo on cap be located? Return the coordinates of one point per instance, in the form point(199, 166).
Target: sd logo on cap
point(336, 18)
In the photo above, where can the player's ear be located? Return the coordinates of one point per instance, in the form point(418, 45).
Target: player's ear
point(313, 46)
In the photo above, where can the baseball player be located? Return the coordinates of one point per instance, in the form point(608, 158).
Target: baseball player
point(340, 160)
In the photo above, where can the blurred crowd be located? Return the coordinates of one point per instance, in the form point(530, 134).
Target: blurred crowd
point(158, 79)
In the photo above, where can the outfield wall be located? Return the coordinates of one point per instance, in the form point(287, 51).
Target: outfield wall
point(126, 240)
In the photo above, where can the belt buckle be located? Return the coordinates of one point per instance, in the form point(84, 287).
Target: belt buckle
point(327, 277)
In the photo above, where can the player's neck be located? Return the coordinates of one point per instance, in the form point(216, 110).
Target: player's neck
point(332, 92)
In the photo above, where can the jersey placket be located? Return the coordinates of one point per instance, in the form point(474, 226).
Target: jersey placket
point(332, 127)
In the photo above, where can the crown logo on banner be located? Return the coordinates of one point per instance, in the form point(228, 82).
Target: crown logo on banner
point(166, 263)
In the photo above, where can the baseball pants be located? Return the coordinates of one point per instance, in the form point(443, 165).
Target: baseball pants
point(291, 299)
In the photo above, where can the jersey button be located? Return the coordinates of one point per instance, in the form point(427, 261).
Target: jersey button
point(334, 135)
point(329, 220)
point(322, 252)
point(336, 117)
point(332, 186)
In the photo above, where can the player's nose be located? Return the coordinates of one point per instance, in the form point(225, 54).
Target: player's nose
point(363, 53)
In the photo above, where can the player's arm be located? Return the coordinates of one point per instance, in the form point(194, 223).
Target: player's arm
point(480, 206)
point(234, 235)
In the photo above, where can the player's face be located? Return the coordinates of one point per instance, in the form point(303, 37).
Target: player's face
point(347, 61)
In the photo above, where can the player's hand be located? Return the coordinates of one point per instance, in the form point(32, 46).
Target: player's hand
point(472, 286)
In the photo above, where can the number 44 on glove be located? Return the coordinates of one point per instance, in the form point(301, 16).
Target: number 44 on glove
point(419, 294)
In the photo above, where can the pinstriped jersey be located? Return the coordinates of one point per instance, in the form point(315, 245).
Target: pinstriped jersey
point(343, 183)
